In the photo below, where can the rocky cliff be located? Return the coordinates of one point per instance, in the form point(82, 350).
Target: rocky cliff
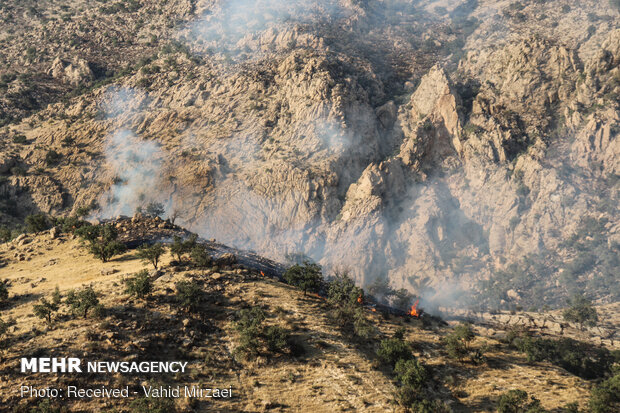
point(445, 147)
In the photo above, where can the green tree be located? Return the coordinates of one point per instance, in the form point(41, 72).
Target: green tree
point(37, 223)
point(381, 289)
point(306, 276)
point(81, 302)
point(342, 290)
point(200, 256)
point(151, 253)
point(402, 299)
point(581, 311)
point(45, 309)
point(102, 241)
point(83, 211)
point(345, 296)
point(155, 209)
point(181, 247)
point(189, 295)
point(140, 285)
point(176, 248)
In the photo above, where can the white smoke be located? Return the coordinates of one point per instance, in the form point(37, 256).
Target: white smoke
point(136, 163)
point(223, 28)
point(137, 168)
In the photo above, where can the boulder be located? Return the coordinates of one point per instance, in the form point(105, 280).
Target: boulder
point(54, 232)
point(226, 259)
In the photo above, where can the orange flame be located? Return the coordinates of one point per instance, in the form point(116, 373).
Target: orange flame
point(414, 309)
point(262, 273)
point(374, 310)
point(317, 296)
point(360, 300)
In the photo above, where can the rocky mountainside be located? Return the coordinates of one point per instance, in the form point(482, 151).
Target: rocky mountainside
point(447, 147)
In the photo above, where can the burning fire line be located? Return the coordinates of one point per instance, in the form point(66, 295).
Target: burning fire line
point(414, 309)
point(373, 306)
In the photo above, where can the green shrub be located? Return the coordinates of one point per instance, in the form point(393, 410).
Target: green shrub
point(415, 401)
point(189, 295)
point(579, 358)
point(140, 285)
point(69, 224)
point(102, 241)
point(20, 139)
point(457, 342)
point(68, 141)
point(254, 336)
point(411, 373)
point(46, 406)
point(276, 339)
point(37, 223)
point(56, 296)
point(307, 276)
point(249, 326)
point(362, 328)
point(151, 253)
point(52, 157)
point(4, 292)
point(4, 327)
point(517, 401)
point(18, 171)
point(81, 302)
point(392, 350)
point(605, 396)
point(152, 405)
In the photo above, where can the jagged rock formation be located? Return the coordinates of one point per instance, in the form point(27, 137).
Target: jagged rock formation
point(434, 145)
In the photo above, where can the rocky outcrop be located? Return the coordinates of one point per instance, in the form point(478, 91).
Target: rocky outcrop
point(75, 73)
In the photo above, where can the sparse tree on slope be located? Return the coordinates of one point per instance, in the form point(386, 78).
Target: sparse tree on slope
point(581, 311)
